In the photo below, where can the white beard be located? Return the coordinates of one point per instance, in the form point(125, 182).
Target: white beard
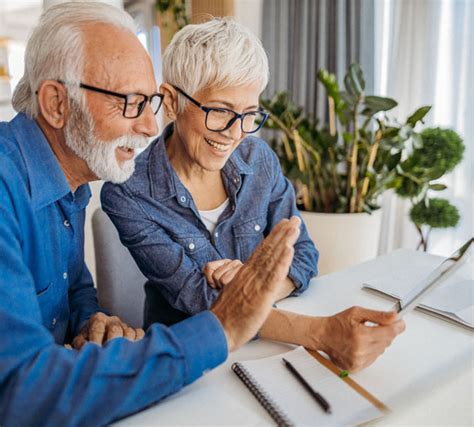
point(100, 155)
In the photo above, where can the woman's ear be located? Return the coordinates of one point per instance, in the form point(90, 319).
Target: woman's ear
point(53, 103)
point(170, 100)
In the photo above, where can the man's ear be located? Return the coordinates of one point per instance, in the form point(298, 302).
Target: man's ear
point(170, 100)
point(53, 103)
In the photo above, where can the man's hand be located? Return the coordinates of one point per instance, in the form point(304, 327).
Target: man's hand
point(221, 272)
point(345, 337)
point(246, 301)
point(101, 328)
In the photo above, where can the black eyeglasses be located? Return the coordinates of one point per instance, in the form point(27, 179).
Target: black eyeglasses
point(220, 119)
point(134, 103)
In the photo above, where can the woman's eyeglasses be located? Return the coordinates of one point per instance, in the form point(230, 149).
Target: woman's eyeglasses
point(220, 119)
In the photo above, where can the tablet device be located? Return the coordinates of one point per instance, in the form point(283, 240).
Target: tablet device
point(448, 267)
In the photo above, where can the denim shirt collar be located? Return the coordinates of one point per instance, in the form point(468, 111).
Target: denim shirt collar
point(167, 184)
point(46, 178)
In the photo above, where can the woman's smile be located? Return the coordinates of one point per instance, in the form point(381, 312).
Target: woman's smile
point(219, 148)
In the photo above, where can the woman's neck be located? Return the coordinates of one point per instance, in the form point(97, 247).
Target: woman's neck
point(206, 187)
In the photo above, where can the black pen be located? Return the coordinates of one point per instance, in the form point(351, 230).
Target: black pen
point(320, 399)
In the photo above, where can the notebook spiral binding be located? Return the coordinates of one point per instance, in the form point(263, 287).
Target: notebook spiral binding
point(270, 406)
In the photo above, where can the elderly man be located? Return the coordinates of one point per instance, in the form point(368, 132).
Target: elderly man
point(86, 102)
point(67, 134)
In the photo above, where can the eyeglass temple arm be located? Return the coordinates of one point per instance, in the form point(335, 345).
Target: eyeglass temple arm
point(182, 92)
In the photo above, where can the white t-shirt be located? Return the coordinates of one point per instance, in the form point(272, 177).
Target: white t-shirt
point(210, 218)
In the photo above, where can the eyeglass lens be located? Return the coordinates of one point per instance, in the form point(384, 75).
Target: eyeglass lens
point(136, 104)
point(218, 120)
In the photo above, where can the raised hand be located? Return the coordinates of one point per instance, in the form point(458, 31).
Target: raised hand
point(246, 301)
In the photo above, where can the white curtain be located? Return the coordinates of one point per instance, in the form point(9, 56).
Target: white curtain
point(425, 56)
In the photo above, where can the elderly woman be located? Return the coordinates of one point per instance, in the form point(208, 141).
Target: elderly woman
point(207, 191)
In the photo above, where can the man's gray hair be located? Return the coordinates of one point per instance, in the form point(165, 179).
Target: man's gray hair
point(55, 48)
point(218, 53)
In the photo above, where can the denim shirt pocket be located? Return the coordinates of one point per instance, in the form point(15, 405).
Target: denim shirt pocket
point(249, 234)
point(43, 288)
point(53, 302)
point(196, 247)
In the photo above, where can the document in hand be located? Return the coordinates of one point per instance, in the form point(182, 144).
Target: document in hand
point(446, 291)
point(289, 403)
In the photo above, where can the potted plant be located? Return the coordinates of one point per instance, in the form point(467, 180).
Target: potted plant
point(343, 166)
point(436, 153)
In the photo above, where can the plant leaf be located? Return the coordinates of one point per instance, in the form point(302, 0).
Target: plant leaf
point(349, 86)
point(437, 187)
point(379, 103)
point(418, 115)
point(357, 78)
point(348, 98)
point(394, 160)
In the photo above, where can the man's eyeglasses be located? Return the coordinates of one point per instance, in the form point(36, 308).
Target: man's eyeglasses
point(220, 119)
point(134, 103)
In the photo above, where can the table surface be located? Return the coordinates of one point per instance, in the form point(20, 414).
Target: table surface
point(426, 376)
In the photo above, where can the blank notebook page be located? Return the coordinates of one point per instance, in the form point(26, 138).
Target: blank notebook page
point(347, 406)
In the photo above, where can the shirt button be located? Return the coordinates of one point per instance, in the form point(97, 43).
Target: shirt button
point(54, 321)
point(216, 234)
point(191, 246)
point(236, 179)
point(183, 199)
point(257, 227)
point(66, 223)
point(65, 275)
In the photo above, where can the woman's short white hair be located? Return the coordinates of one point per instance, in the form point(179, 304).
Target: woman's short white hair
point(218, 53)
point(55, 50)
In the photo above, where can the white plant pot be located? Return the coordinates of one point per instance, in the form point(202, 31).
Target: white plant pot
point(343, 239)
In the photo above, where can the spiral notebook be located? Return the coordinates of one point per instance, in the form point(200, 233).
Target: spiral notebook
point(289, 404)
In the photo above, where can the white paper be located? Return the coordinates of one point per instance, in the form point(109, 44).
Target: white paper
point(347, 406)
point(454, 298)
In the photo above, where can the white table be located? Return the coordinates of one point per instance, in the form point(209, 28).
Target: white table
point(426, 377)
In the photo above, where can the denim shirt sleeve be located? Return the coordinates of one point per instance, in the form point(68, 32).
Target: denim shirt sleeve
point(42, 383)
point(158, 256)
point(283, 205)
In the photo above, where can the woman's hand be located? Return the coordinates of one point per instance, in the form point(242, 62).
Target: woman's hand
point(345, 337)
point(220, 272)
point(351, 342)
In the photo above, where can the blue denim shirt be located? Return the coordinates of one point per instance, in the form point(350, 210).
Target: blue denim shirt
point(46, 295)
point(159, 223)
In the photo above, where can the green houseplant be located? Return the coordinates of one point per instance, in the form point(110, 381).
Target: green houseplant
point(344, 165)
point(437, 153)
